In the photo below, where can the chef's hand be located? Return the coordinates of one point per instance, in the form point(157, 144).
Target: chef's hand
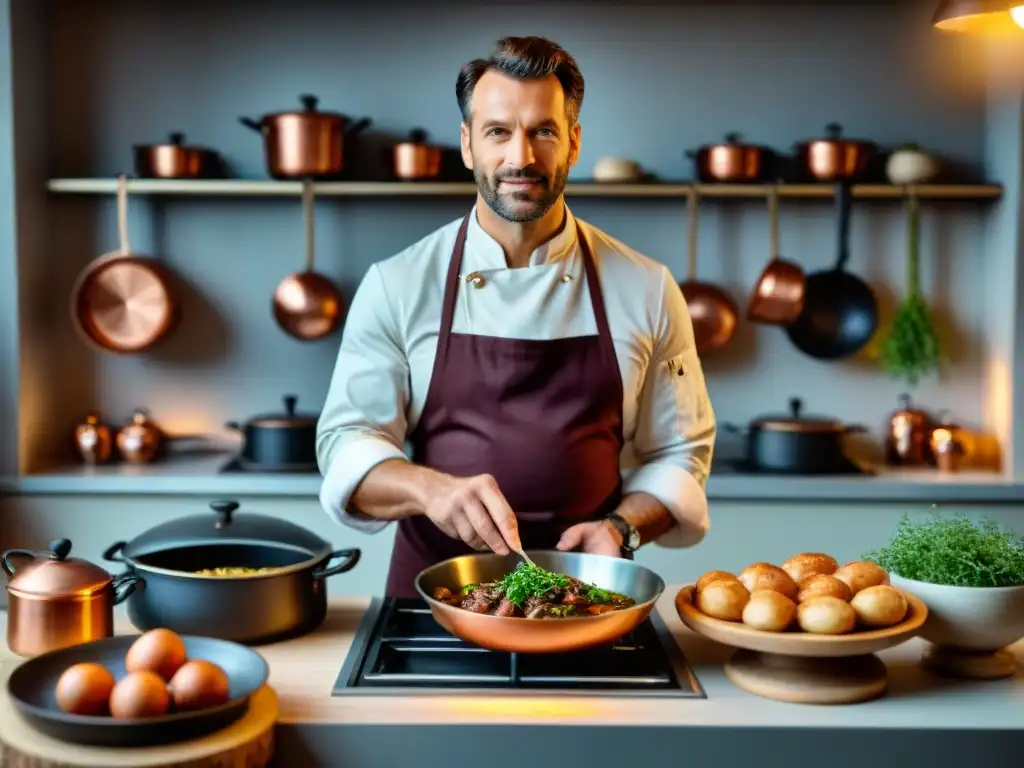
point(598, 538)
point(474, 510)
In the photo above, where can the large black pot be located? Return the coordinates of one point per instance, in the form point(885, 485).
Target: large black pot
point(279, 442)
point(795, 444)
point(252, 608)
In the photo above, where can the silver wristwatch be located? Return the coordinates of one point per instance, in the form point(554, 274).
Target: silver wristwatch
point(630, 535)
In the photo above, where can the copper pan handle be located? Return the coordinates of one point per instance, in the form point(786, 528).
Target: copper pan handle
point(122, 214)
point(694, 206)
point(308, 204)
point(773, 220)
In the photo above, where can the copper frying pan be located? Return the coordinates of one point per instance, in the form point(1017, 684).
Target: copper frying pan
point(778, 296)
point(124, 302)
point(712, 310)
point(307, 305)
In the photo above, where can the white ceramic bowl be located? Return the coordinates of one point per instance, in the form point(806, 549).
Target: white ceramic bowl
point(969, 618)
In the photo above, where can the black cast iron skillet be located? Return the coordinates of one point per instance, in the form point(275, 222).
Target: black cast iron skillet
point(32, 686)
point(840, 313)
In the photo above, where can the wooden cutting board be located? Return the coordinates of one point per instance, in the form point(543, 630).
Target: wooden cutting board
point(247, 743)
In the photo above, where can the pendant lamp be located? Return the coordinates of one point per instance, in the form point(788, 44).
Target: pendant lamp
point(983, 17)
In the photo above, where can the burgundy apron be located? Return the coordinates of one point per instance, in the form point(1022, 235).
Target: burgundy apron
point(543, 417)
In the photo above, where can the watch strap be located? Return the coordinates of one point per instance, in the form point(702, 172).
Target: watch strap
point(630, 535)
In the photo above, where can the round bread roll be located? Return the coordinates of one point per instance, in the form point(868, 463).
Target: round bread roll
point(826, 616)
point(768, 576)
point(807, 564)
point(723, 600)
point(861, 574)
point(769, 611)
point(823, 585)
point(879, 606)
point(711, 576)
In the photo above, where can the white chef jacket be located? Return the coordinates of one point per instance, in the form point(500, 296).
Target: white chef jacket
point(388, 346)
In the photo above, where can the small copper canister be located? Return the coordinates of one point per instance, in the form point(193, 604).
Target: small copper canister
point(93, 440)
point(907, 436)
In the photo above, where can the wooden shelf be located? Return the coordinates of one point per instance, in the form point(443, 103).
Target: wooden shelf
point(270, 188)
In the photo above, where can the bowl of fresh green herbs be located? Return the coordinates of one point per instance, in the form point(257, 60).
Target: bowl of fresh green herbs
point(970, 574)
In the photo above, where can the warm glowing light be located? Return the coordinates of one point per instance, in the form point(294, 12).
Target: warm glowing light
point(980, 17)
point(530, 709)
point(1017, 14)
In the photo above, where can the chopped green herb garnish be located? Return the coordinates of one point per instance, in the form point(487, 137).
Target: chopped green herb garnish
point(469, 588)
point(598, 595)
point(530, 581)
point(562, 610)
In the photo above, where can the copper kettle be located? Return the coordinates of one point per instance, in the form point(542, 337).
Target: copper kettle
point(907, 436)
point(54, 601)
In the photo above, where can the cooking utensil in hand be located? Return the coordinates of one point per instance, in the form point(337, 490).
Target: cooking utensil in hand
point(521, 635)
point(250, 607)
point(124, 302)
point(778, 296)
point(796, 444)
point(54, 601)
point(32, 687)
point(306, 143)
point(417, 159)
point(713, 312)
point(840, 313)
point(730, 161)
point(279, 442)
point(175, 160)
point(307, 305)
point(834, 158)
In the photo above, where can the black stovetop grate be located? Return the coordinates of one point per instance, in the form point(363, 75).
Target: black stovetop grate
point(400, 648)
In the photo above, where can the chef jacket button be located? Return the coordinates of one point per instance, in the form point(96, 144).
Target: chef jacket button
point(566, 278)
point(476, 279)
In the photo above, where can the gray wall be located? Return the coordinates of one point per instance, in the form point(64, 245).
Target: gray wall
point(659, 80)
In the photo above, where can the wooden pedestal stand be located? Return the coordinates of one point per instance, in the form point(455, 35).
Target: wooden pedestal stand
point(799, 667)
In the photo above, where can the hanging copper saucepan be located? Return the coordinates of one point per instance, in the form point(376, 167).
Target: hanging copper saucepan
point(778, 296)
point(307, 305)
point(124, 302)
point(713, 312)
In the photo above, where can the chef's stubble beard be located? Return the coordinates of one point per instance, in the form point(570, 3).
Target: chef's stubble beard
point(488, 188)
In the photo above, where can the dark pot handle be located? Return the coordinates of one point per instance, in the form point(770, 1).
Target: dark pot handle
point(111, 553)
point(352, 557)
point(233, 425)
point(124, 585)
point(248, 122)
point(735, 429)
point(358, 126)
point(9, 569)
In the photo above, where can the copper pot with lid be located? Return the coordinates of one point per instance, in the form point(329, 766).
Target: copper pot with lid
point(907, 435)
point(307, 143)
point(54, 601)
point(175, 160)
point(140, 441)
point(416, 158)
point(835, 158)
point(729, 161)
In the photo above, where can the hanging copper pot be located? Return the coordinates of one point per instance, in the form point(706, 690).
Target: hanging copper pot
point(308, 305)
point(712, 310)
point(778, 296)
point(124, 302)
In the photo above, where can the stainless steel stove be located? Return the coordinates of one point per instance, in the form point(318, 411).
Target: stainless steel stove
point(400, 649)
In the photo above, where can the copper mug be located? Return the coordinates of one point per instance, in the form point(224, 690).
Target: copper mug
point(55, 601)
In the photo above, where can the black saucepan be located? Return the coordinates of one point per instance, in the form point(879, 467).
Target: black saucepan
point(840, 313)
point(287, 600)
point(33, 683)
point(279, 442)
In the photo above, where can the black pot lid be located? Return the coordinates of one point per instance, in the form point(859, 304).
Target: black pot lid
point(795, 422)
point(289, 418)
point(224, 526)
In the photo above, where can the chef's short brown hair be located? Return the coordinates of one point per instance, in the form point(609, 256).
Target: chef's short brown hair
point(524, 58)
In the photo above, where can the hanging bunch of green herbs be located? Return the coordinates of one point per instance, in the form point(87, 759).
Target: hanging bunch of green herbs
point(912, 349)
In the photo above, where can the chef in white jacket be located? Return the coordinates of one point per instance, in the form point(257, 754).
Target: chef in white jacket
point(544, 373)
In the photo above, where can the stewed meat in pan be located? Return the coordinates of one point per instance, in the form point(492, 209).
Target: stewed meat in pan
point(534, 593)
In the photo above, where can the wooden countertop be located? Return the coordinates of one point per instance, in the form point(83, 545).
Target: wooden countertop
point(304, 670)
